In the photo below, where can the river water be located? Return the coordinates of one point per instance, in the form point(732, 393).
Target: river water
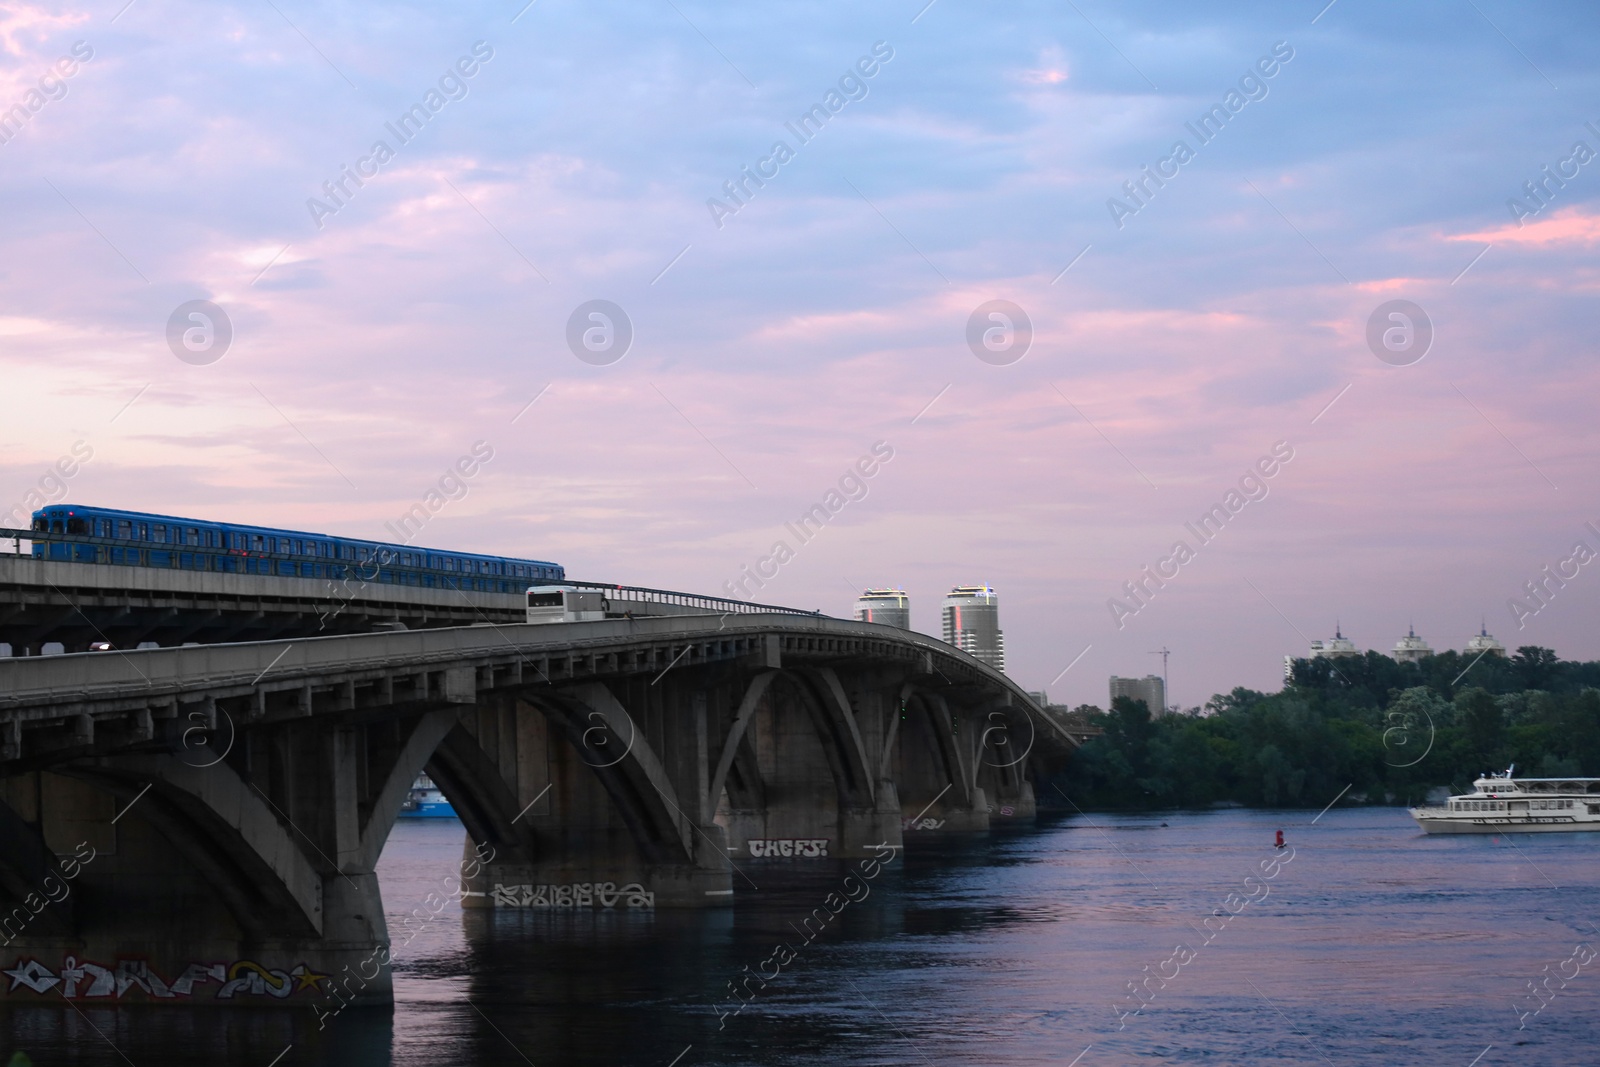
point(1363, 942)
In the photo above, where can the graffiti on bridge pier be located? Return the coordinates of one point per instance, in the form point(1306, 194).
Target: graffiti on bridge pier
point(786, 847)
point(574, 895)
point(85, 979)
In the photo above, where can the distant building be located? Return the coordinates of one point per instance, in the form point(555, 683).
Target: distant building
point(1484, 645)
point(891, 607)
point(972, 624)
point(1334, 647)
point(1411, 648)
point(1150, 689)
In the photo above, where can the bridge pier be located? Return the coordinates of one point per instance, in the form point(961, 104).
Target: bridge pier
point(170, 882)
point(597, 803)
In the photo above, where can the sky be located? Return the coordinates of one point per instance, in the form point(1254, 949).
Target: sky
point(1172, 334)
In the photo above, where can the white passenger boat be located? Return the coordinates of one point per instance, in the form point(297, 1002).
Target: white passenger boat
point(1504, 803)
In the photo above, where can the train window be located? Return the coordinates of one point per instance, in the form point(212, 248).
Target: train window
point(260, 542)
point(158, 533)
point(125, 529)
point(42, 525)
point(76, 526)
point(192, 536)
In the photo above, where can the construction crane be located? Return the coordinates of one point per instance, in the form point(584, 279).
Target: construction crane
point(1163, 652)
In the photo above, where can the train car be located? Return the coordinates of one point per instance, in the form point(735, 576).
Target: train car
point(134, 538)
point(549, 603)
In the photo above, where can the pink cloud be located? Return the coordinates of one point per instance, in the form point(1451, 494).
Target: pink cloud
point(1568, 225)
point(30, 20)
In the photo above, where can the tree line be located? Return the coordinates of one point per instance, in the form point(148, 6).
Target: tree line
point(1389, 730)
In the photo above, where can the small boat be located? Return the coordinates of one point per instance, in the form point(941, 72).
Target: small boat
point(1503, 803)
point(426, 801)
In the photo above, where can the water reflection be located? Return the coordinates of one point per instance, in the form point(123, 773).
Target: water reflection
point(1375, 945)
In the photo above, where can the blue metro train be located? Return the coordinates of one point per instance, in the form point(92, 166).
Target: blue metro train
point(134, 538)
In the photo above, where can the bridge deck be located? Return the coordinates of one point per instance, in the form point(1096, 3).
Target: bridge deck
point(449, 665)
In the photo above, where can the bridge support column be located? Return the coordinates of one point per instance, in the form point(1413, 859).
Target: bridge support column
point(185, 884)
point(605, 806)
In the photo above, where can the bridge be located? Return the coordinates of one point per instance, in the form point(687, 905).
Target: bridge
point(202, 824)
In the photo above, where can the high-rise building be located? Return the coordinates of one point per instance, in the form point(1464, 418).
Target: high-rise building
point(891, 607)
point(972, 624)
point(1484, 644)
point(1150, 689)
point(1411, 648)
point(1334, 647)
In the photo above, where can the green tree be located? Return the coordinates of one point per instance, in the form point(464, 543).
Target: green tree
point(1482, 725)
point(1535, 667)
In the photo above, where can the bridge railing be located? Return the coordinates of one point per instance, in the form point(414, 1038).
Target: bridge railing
point(622, 595)
point(80, 548)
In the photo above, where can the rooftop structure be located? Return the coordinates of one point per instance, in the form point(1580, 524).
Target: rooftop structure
point(1484, 644)
point(1334, 647)
point(891, 607)
point(1411, 648)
